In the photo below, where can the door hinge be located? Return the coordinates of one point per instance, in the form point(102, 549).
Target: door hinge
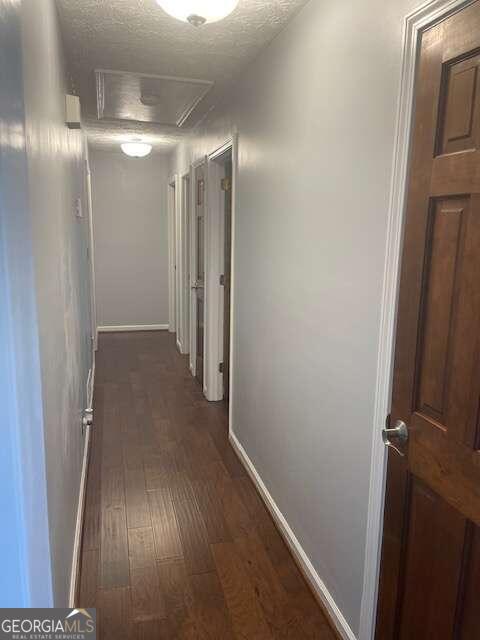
point(200, 191)
point(226, 184)
point(222, 280)
point(220, 367)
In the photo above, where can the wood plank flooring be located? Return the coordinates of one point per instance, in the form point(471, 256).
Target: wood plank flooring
point(177, 544)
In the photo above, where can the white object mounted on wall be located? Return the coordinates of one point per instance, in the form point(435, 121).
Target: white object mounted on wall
point(72, 112)
point(136, 149)
point(198, 12)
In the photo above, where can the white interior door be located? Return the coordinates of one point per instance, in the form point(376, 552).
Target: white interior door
point(197, 270)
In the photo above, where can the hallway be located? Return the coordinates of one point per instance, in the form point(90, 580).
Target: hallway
point(177, 543)
point(269, 203)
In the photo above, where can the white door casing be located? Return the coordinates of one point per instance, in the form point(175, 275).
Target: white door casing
point(171, 199)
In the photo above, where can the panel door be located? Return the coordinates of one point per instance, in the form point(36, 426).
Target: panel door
point(199, 285)
point(430, 572)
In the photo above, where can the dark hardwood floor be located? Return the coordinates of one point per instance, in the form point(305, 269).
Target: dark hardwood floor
point(177, 544)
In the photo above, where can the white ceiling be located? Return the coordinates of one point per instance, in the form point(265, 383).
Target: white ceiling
point(137, 36)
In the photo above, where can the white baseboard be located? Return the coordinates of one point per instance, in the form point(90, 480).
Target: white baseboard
point(77, 544)
point(133, 327)
point(308, 570)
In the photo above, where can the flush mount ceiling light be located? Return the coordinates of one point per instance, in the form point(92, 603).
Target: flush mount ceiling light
point(136, 149)
point(198, 12)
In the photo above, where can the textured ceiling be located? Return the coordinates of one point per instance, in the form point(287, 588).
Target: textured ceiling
point(137, 36)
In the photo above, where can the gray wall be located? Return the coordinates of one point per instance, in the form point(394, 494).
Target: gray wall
point(131, 238)
point(55, 180)
point(315, 116)
point(25, 576)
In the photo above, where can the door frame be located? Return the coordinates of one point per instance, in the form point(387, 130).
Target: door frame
point(193, 266)
point(180, 265)
point(214, 249)
point(91, 247)
point(183, 266)
point(191, 277)
point(171, 209)
point(177, 211)
point(414, 24)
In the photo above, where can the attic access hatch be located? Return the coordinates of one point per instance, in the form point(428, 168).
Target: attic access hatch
point(164, 100)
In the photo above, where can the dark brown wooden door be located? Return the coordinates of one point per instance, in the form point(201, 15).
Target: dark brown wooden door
point(200, 269)
point(430, 577)
point(227, 187)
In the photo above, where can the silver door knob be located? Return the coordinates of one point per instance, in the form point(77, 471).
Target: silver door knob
point(397, 433)
point(87, 419)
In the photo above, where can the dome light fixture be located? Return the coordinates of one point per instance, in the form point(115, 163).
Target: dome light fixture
point(136, 149)
point(198, 12)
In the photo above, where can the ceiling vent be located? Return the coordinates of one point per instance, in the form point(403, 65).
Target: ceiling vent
point(139, 97)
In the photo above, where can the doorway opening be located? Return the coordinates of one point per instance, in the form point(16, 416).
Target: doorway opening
point(172, 259)
point(219, 273)
point(198, 276)
point(182, 252)
point(226, 267)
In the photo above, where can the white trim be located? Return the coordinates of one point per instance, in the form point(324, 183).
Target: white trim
point(192, 274)
point(77, 545)
point(133, 327)
point(318, 586)
point(220, 151)
point(232, 280)
point(184, 260)
point(213, 290)
point(179, 264)
point(193, 271)
point(415, 22)
point(91, 246)
point(198, 163)
point(171, 198)
point(214, 252)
